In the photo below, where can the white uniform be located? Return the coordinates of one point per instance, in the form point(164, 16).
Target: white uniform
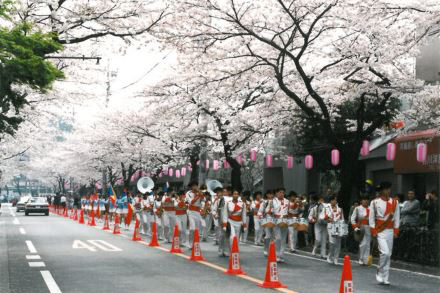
point(234, 213)
point(158, 218)
point(293, 212)
point(215, 220)
point(320, 228)
point(206, 220)
point(255, 207)
point(169, 216)
point(244, 235)
point(359, 220)
point(148, 213)
point(333, 215)
point(195, 219)
point(182, 220)
point(384, 220)
point(266, 211)
point(280, 208)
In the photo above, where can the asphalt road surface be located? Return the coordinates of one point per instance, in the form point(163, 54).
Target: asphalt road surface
point(54, 254)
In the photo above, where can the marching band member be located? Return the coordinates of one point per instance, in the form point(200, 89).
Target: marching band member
point(182, 218)
point(148, 212)
point(255, 207)
point(320, 227)
point(214, 213)
point(123, 206)
point(333, 214)
point(266, 213)
point(206, 216)
point(137, 204)
point(384, 220)
point(245, 198)
point(295, 211)
point(234, 214)
point(223, 243)
point(87, 205)
point(195, 200)
point(169, 216)
point(280, 207)
point(158, 213)
point(359, 221)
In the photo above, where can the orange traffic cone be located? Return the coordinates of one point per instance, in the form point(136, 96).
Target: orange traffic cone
point(92, 223)
point(136, 236)
point(175, 247)
point(66, 212)
point(72, 214)
point(346, 279)
point(117, 228)
point(75, 215)
point(234, 260)
point(106, 225)
point(81, 217)
point(196, 251)
point(154, 242)
point(271, 281)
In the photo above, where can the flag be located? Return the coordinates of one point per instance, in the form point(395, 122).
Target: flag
point(112, 195)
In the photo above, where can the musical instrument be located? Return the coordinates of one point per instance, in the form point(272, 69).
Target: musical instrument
point(212, 185)
point(303, 225)
point(145, 184)
point(339, 228)
point(293, 222)
point(282, 222)
point(268, 220)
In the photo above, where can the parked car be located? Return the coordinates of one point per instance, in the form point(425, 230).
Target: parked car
point(22, 203)
point(37, 205)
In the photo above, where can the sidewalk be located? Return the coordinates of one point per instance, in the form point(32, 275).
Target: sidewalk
point(4, 258)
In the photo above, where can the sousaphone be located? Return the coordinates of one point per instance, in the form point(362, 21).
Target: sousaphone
point(145, 184)
point(212, 185)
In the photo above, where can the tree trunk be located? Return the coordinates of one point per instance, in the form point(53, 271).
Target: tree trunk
point(235, 174)
point(195, 169)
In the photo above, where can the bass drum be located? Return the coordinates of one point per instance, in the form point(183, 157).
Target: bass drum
point(303, 225)
point(294, 222)
point(268, 222)
point(282, 223)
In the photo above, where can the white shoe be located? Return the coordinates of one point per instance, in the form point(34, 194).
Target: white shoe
point(329, 260)
point(314, 251)
point(386, 283)
point(379, 278)
point(361, 263)
point(336, 262)
point(265, 253)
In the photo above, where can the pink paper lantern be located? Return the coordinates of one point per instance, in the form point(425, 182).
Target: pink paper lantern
point(365, 150)
point(207, 165)
point(269, 161)
point(198, 162)
point(98, 185)
point(160, 174)
point(335, 157)
point(391, 151)
point(215, 165)
point(190, 168)
point(309, 162)
point(239, 159)
point(253, 156)
point(183, 171)
point(226, 165)
point(177, 173)
point(289, 162)
point(422, 153)
point(170, 172)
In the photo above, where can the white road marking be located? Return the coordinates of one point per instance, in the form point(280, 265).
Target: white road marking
point(50, 282)
point(16, 221)
point(78, 244)
point(22, 231)
point(33, 257)
point(31, 246)
point(101, 244)
point(37, 264)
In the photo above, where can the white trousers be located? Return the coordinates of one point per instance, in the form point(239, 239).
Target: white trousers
point(144, 222)
point(280, 240)
point(244, 235)
point(235, 231)
point(207, 226)
point(320, 238)
point(385, 242)
point(293, 238)
point(270, 236)
point(182, 222)
point(364, 246)
point(169, 222)
point(258, 230)
point(195, 222)
point(335, 247)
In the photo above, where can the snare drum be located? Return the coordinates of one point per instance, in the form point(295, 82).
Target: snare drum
point(282, 223)
point(303, 225)
point(268, 222)
point(293, 222)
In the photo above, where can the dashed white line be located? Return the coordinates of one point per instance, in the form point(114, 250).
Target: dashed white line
point(33, 256)
point(31, 246)
point(16, 221)
point(22, 231)
point(50, 282)
point(37, 264)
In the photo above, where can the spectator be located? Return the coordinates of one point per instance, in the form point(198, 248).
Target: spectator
point(431, 206)
point(410, 212)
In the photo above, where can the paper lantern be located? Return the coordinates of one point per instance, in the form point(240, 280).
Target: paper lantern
point(289, 162)
point(98, 185)
point(183, 171)
point(226, 165)
point(269, 161)
point(253, 156)
point(239, 159)
point(309, 162)
point(215, 165)
point(198, 162)
point(335, 157)
point(170, 172)
point(391, 151)
point(190, 168)
point(422, 153)
point(365, 150)
point(207, 165)
point(177, 173)
point(160, 174)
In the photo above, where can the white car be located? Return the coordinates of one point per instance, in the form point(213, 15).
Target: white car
point(22, 203)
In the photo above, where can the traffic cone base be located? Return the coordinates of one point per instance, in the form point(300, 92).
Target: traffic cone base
point(75, 216)
point(92, 223)
point(234, 260)
point(81, 217)
point(117, 228)
point(106, 225)
point(346, 279)
point(175, 247)
point(136, 236)
point(271, 281)
point(153, 242)
point(196, 251)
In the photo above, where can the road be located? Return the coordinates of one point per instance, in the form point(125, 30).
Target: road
point(54, 254)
